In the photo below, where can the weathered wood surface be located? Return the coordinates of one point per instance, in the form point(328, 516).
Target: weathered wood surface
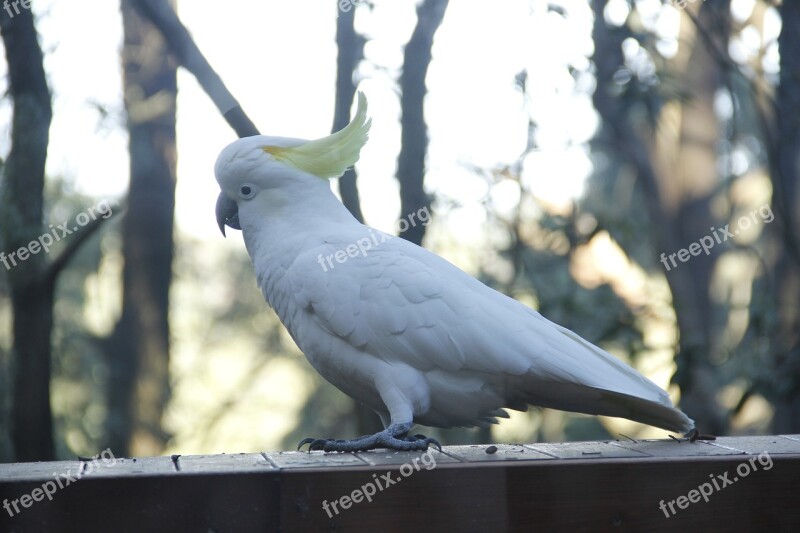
point(579, 486)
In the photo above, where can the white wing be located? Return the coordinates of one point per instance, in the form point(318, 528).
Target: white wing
point(456, 350)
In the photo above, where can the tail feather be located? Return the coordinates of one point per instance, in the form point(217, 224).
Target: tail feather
point(596, 401)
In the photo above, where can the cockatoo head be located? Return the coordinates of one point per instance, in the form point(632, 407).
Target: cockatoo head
point(259, 167)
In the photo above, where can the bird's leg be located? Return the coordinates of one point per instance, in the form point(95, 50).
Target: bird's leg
point(394, 437)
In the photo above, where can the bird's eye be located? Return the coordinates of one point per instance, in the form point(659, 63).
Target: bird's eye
point(247, 191)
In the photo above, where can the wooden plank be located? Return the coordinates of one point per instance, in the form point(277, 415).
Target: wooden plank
point(395, 458)
point(34, 471)
point(541, 486)
point(130, 467)
point(225, 463)
point(481, 453)
point(316, 459)
point(152, 502)
point(584, 450)
point(551, 495)
point(754, 445)
point(673, 448)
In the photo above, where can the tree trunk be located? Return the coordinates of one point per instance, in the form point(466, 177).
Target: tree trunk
point(351, 51)
point(414, 136)
point(677, 189)
point(139, 345)
point(687, 180)
point(31, 286)
point(786, 201)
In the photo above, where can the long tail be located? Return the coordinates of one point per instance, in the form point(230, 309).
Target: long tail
point(575, 375)
point(579, 398)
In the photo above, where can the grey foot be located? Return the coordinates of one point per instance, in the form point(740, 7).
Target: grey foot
point(694, 435)
point(395, 437)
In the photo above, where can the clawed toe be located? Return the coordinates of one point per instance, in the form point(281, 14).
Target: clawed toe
point(305, 441)
point(423, 442)
point(315, 444)
point(429, 441)
point(393, 438)
point(693, 436)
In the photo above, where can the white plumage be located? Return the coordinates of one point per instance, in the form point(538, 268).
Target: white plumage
point(398, 327)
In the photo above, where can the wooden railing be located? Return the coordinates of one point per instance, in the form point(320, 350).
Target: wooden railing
point(731, 484)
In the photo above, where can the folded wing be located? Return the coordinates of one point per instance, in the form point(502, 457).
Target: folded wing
point(479, 350)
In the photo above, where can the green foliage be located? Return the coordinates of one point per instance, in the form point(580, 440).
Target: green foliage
point(79, 369)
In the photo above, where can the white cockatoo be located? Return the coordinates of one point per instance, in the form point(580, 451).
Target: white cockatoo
point(395, 326)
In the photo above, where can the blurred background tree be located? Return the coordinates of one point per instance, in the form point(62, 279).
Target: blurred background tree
point(620, 132)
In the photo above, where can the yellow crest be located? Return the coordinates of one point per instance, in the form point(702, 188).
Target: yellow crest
point(330, 156)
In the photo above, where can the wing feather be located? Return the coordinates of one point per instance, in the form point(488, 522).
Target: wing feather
point(407, 306)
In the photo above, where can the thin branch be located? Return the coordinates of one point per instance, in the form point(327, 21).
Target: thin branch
point(62, 259)
point(180, 41)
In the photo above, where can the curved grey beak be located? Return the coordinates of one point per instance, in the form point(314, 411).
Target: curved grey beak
point(227, 213)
